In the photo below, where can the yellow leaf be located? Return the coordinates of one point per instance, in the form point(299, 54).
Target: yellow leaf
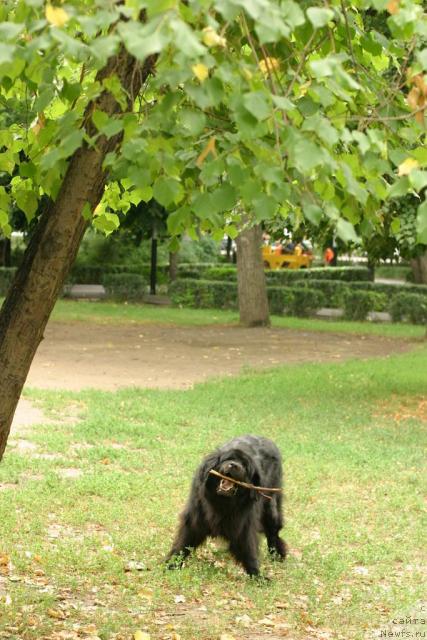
point(210, 148)
point(227, 636)
point(393, 7)
point(268, 65)
point(55, 613)
point(200, 71)
point(407, 166)
point(141, 635)
point(56, 16)
point(212, 39)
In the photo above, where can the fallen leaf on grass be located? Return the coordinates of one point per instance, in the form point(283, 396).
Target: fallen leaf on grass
point(55, 613)
point(134, 565)
point(244, 620)
point(266, 622)
point(146, 594)
point(227, 636)
point(141, 635)
point(361, 571)
point(89, 630)
point(64, 634)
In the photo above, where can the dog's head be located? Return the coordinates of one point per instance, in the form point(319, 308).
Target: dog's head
point(236, 465)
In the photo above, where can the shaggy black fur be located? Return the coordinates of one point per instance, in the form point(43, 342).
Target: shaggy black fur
point(215, 508)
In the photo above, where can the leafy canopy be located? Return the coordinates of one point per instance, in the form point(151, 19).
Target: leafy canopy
point(285, 109)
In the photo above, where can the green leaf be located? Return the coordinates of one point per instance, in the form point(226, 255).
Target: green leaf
point(283, 103)
point(313, 213)
point(5, 227)
point(292, 14)
point(422, 223)
point(185, 40)
point(112, 128)
point(143, 194)
point(7, 161)
point(422, 58)
point(27, 201)
point(418, 179)
point(225, 198)
point(99, 119)
point(6, 53)
point(346, 231)
point(264, 206)
point(167, 191)
point(106, 222)
point(193, 122)
point(71, 142)
point(44, 98)
point(4, 199)
point(203, 205)
point(305, 155)
point(399, 188)
point(142, 40)
point(10, 30)
point(257, 104)
point(319, 17)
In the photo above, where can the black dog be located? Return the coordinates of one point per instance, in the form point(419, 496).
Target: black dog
point(218, 507)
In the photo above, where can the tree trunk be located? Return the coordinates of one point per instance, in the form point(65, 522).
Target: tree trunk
point(153, 264)
point(173, 265)
point(419, 268)
point(252, 290)
point(54, 244)
point(5, 252)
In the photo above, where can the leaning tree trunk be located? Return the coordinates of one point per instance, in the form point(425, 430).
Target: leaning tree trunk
point(54, 244)
point(252, 290)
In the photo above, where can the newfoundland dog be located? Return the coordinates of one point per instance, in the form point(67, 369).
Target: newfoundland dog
point(219, 507)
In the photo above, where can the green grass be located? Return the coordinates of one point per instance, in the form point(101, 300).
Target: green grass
point(351, 436)
point(116, 313)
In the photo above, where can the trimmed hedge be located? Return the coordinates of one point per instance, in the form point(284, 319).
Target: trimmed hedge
point(303, 300)
point(408, 306)
point(223, 295)
point(340, 274)
point(124, 286)
point(279, 276)
point(201, 294)
point(6, 276)
point(357, 304)
point(335, 292)
point(94, 274)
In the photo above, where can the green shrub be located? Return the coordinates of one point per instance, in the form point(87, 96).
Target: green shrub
point(203, 293)
point(276, 277)
point(124, 286)
point(335, 291)
point(306, 301)
point(94, 273)
point(357, 304)
point(279, 299)
point(408, 306)
point(6, 276)
point(340, 274)
point(228, 273)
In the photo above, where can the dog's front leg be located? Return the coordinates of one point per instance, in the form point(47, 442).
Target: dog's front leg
point(245, 551)
point(190, 536)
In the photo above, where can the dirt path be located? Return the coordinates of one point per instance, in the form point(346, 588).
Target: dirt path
point(76, 355)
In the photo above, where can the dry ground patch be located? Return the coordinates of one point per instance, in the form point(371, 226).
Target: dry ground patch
point(98, 355)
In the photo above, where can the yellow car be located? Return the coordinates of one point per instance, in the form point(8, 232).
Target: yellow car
point(276, 259)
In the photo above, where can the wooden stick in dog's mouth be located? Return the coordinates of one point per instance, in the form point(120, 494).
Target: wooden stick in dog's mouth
point(247, 485)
